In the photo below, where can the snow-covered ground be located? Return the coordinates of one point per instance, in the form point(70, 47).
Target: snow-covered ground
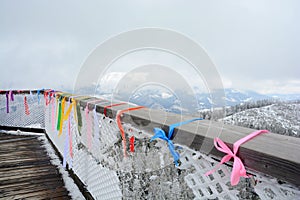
point(281, 118)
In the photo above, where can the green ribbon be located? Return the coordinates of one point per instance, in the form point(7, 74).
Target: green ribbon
point(59, 115)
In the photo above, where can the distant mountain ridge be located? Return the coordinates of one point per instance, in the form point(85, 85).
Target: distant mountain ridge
point(200, 101)
point(232, 97)
point(166, 100)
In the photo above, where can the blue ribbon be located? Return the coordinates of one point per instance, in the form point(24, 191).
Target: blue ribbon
point(159, 133)
point(38, 94)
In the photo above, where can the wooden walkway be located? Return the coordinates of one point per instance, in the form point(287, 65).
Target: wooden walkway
point(26, 171)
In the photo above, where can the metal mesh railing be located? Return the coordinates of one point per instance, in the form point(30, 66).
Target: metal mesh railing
point(17, 116)
point(94, 151)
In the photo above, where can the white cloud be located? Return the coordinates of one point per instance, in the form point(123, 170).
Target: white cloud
point(227, 83)
point(278, 87)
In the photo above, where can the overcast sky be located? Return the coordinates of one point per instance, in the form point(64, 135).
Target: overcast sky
point(254, 44)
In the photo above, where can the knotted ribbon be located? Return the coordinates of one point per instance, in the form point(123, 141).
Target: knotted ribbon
point(96, 122)
point(62, 115)
point(7, 102)
point(53, 102)
point(96, 125)
point(112, 105)
point(68, 147)
point(77, 112)
point(238, 169)
point(9, 96)
point(31, 95)
point(26, 106)
point(75, 108)
point(131, 144)
point(119, 122)
point(47, 96)
point(58, 113)
point(159, 133)
point(88, 127)
point(68, 141)
point(70, 138)
point(38, 94)
point(88, 122)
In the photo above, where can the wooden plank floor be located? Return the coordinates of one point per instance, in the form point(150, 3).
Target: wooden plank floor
point(26, 171)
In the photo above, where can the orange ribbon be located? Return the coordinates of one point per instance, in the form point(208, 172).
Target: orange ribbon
point(119, 122)
point(117, 104)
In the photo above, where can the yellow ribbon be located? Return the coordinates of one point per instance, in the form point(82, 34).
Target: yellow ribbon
point(65, 115)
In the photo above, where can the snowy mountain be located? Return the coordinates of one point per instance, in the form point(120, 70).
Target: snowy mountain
point(282, 118)
point(163, 100)
point(180, 102)
point(232, 97)
point(188, 103)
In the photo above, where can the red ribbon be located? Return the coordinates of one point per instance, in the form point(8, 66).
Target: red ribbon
point(47, 96)
point(26, 106)
point(131, 146)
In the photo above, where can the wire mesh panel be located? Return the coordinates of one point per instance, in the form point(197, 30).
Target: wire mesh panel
point(14, 114)
point(148, 172)
point(82, 157)
point(270, 188)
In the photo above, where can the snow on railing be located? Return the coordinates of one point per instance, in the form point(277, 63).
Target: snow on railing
point(86, 133)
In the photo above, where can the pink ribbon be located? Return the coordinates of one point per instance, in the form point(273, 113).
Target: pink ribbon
point(89, 125)
point(53, 114)
point(88, 128)
point(11, 95)
point(238, 169)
